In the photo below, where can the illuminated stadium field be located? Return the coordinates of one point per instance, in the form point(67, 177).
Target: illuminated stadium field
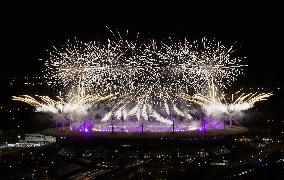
point(59, 132)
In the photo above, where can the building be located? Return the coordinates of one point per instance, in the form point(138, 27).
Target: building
point(37, 139)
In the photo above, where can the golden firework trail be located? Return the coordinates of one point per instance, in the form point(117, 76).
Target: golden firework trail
point(244, 102)
point(47, 104)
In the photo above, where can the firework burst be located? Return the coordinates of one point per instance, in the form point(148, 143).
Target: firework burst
point(218, 103)
point(72, 104)
point(147, 81)
point(91, 65)
point(206, 61)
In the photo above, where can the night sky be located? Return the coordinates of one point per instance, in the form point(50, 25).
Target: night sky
point(257, 29)
point(28, 30)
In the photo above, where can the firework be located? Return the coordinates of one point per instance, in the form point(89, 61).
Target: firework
point(91, 65)
point(214, 104)
point(247, 101)
point(151, 69)
point(71, 105)
point(206, 61)
point(144, 81)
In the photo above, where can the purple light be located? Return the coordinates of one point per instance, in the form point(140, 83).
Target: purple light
point(82, 127)
point(146, 126)
point(258, 161)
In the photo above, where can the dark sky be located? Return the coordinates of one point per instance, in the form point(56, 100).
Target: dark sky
point(29, 29)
